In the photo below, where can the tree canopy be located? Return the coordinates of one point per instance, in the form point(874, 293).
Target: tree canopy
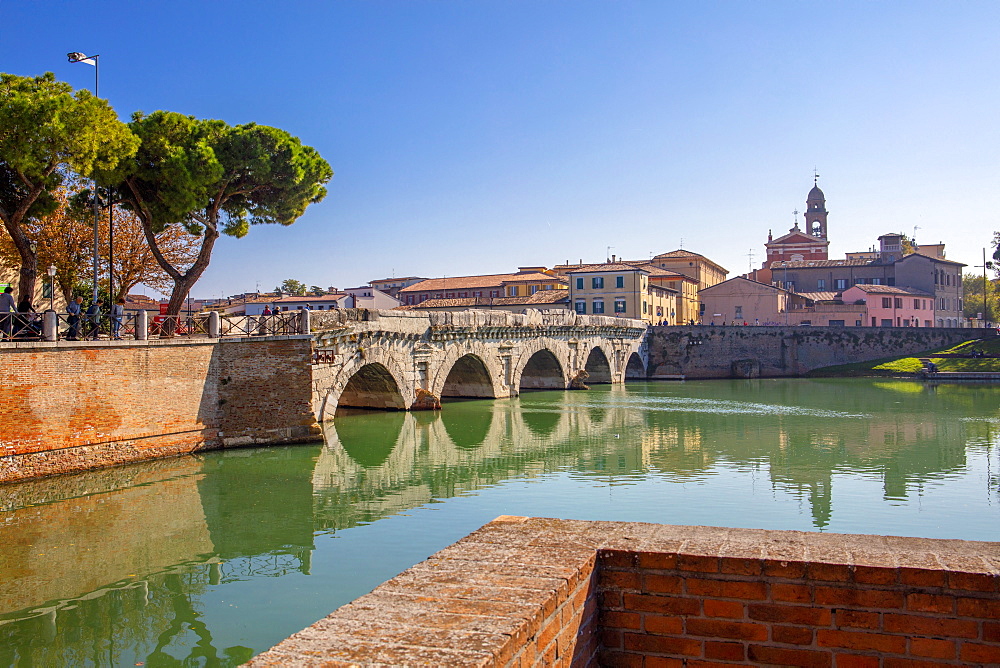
point(290, 286)
point(46, 128)
point(212, 179)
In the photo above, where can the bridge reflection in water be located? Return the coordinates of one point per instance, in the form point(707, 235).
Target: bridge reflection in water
point(209, 559)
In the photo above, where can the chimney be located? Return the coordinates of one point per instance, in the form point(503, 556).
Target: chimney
point(612, 257)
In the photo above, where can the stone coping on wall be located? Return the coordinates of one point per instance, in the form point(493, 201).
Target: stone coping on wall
point(536, 592)
point(131, 343)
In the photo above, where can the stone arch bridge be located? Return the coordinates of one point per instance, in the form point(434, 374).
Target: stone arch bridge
point(402, 360)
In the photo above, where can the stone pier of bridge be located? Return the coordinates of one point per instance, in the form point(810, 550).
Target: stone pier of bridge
point(402, 360)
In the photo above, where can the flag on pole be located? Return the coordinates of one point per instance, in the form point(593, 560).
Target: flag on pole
point(77, 57)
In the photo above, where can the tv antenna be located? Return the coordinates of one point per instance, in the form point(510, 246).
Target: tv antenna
point(750, 261)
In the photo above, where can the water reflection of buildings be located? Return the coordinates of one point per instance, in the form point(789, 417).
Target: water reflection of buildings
point(803, 434)
point(102, 566)
point(141, 544)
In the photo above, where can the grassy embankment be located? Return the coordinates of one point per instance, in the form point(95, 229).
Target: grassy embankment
point(907, 366)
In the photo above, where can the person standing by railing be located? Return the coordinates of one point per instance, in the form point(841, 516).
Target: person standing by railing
point(94, 320)
point(7, 307)
point(117, 313)
point(27, 322)
point(74, 309)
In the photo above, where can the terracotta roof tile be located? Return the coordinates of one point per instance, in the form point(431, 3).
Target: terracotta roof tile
point(607, 266)
point(540, 297)
point(806, 264)
point(483, 282)
point(890, 290)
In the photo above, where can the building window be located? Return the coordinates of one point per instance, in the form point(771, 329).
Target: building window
point(739, 313)
point(619, 281)
point(886, 302)
point(512, 291)
point(916, 304)
point(840, 284)
point(581, 306)
point(898, 302)
point(859, 281)
point(597, 282)
point(876, 281)
point(619, 306)
point(494, 293)
point(598, 306)
point(644, 307)
point(821, 284)
point(579, 284)
point(534, 289)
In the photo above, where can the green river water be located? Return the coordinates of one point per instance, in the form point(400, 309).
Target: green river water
point(207, 560)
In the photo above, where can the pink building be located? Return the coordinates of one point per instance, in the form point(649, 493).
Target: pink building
point(891, 306)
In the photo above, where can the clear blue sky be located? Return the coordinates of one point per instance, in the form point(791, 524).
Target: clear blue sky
point(473, 136)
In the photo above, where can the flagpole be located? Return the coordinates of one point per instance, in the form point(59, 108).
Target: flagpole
point(77, 57)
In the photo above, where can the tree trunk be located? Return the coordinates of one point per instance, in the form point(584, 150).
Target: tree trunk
point(184, 282)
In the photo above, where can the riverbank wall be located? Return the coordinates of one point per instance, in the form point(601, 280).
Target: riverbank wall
point(71, 406)
point(707, 351)
point(541, 592)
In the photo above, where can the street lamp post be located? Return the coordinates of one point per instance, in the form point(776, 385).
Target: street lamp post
point(52, 287)
point(77, 57)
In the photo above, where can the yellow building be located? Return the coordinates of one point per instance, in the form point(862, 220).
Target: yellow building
point(621, 290)
point(693, 265)
point(682, 271)
point(684, 287)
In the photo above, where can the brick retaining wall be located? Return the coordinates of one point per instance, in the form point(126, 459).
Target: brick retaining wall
point(70, 406)
point(539, 592)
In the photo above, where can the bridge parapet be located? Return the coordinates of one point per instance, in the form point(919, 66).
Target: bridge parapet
point(330, 326)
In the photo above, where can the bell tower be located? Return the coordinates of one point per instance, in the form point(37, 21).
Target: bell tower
point(816, 210)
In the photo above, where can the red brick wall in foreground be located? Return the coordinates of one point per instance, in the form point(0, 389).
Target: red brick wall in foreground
point(540, 592)
point(70, 406)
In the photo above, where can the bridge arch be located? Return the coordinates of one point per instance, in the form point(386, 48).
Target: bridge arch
point(466, 374)
point(598, 366)
point(539, 368)
point(635, 369)
point(371, 379)
point(372, 386)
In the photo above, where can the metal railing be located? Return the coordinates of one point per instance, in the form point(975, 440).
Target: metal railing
point(84, 327)
point(131, 326)
point(277, 324)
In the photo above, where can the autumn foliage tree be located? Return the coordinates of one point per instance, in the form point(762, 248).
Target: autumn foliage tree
point(64, 239)
point(209, 178)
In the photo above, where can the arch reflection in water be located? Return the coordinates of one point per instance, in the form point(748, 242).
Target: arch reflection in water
point(196, 559)
point(798, 436)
